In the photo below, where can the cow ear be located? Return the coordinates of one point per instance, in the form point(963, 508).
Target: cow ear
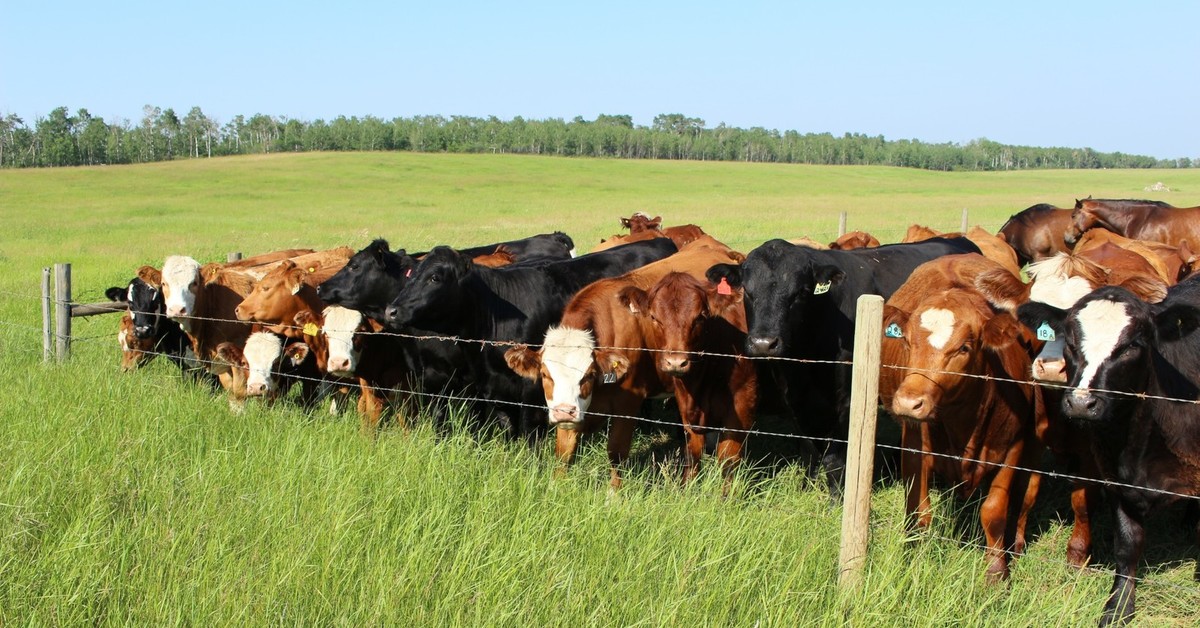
point(1176, 322)
point(1148, 289)
point(1043, 319)
point(227, 355)
point(1002, 289)
point(731, 273)
point(524, 361)
point(296, 352)
point(894, 322)
point(635, 299)
point(722, 299)
point(117, 294)
point(151, 275)
point(624, 223)
point(613, 365)
point(825, 275)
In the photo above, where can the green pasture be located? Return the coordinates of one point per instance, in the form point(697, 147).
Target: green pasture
point(140, 499)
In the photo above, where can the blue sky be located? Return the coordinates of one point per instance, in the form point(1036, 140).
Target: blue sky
point(1113, 76)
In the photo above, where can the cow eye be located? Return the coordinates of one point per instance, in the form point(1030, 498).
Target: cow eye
point(965, 348)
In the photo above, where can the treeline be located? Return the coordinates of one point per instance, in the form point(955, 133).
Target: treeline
point(63, 139)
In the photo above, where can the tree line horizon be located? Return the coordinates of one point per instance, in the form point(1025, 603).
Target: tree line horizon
point(62, 139)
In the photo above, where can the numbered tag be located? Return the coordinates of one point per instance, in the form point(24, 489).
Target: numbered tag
point(311, 329)
point(609, 378)
point(893, 331)
point(822, 288)
point(1044, 332)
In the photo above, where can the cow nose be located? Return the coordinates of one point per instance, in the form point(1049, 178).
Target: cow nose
point(676, 364)
point(142, 331)
point(1048, 370)
point(911, 406)
point(391, 314)
point(1080, 404)
point(764, 345)
point(176, 311)
point(339, 365)
point(564, 414)
point(256, 389)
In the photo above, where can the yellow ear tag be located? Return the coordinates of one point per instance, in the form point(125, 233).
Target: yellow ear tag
point(311, 329)
point(312, 269)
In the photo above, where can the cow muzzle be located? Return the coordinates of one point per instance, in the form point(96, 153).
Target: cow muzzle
point(1050, 370)
point(564, 415)
point(1082, 404)
point(675, 364)
point(764, 346)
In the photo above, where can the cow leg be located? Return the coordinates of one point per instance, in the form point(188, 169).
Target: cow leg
point(915, 471)
point(1130, 538)
point(1079, 546)
point(566, 443)
point(993, 515)
point(1028, 485)
point(693, 450)
point(370, 408)
point(620, 439)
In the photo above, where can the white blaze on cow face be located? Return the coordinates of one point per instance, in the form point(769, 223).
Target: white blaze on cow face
point(1100, 324)
point(262, 353)
point(339, 328)
point(567, 357)
point(940, 325)
point(180, 280)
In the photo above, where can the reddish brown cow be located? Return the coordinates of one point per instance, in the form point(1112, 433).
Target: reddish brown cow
point(695, 321)
point(134, 351)
point(1172, 263)
point(264, 366)
point(591, 365)
point(854, 240)
point(993, 247)
point(949, 342)
point(290, 288)
point(642, 227)
point(502, 256)
point(1036, 233)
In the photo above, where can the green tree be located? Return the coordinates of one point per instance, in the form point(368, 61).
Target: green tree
point(56, 135)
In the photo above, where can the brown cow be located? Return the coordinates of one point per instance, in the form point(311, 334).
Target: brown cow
point(135, 351)
point(502, 256)
point(264, 367)
point(289, 288)
point(696, 320)
point(1036, 232)
point(642, 227)
point(591, 365)
point(1172, 263)
point(993, 247)
point(948, 347)
point(854, 240)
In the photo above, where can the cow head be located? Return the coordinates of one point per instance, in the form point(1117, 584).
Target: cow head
point(144, 297)
point(370, 280)
point(181, 283)
point(681, 308)
point(570, 368)
point(135, 351)
point(273, 298)
point(778, 280)
point(947, 338)
point(434, 295)
point(258, 366)
point(340, 338)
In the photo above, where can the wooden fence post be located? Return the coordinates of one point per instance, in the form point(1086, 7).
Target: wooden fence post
point(860, 459)
point(62, 311)
point(841, 224)
point(964, 221)
point(233, 257)
point(47, 331)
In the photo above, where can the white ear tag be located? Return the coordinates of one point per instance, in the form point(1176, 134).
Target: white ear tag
point(822, 288)
point(893, 331)
point(1044, 332)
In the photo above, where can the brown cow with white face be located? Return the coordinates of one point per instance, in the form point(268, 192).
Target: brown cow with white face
point(262, 367)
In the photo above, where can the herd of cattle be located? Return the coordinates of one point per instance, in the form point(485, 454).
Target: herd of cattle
point(536, 338)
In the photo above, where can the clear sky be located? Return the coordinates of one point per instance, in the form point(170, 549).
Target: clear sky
point(1109, 75)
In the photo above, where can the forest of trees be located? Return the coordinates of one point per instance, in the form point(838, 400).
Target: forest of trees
point(65, 139)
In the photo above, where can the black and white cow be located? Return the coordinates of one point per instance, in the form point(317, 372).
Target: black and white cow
point(150, 326)
point(1126, 362)
point(451, 296)
point(800, 303)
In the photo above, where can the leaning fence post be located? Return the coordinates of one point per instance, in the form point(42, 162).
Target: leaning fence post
point(62, 310)
point(233, 257)
point(841, 224)
point(964, 220)
point(47, 332)
point(860, 455)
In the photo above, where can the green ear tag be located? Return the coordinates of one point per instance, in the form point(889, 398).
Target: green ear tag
point(893, 331)
point(822, 288)
point(1044, 332)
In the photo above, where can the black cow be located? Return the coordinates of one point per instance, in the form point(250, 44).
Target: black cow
point(800, 303)
point(557, 245)
point(449, 295)
point(1125, 360)
point(369, 281)
point(143, 296)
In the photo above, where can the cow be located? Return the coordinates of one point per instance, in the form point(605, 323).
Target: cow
point(642, 227)
point(345, 344)
point(591, 365)
point(265, 366)
point(1036, 232)
point(1132, 371)
point(148, 333)
point(993, 247)
point(557, 245)
point(703, 329)
point(451, 296)
point(800, 304)
point(289, 288)
point(953, 379)
point(854, 240)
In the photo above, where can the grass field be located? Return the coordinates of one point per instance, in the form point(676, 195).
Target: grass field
point(139, 499)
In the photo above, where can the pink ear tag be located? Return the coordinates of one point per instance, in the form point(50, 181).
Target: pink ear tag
point(723, 287)
point(408, 273)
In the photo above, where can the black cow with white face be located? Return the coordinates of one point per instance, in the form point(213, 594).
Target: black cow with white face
point(800, 303)
point(1126, 360)
point(143, 296)
point(451, 296)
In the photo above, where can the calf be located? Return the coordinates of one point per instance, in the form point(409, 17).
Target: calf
point(952, 379)
point(642, 227)
point(703, 329)
point(264, 367)
point(800, 304)
point(1127, 364)
point(148, 333)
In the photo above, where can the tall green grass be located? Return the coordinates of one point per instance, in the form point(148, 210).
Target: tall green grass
point(141, 499)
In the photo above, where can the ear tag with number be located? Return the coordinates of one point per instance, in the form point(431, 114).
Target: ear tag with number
point(1044, 332)
point(723, 287)
point(822, 288)
point(893, 331)
point(609, 378)
point(311, 329)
